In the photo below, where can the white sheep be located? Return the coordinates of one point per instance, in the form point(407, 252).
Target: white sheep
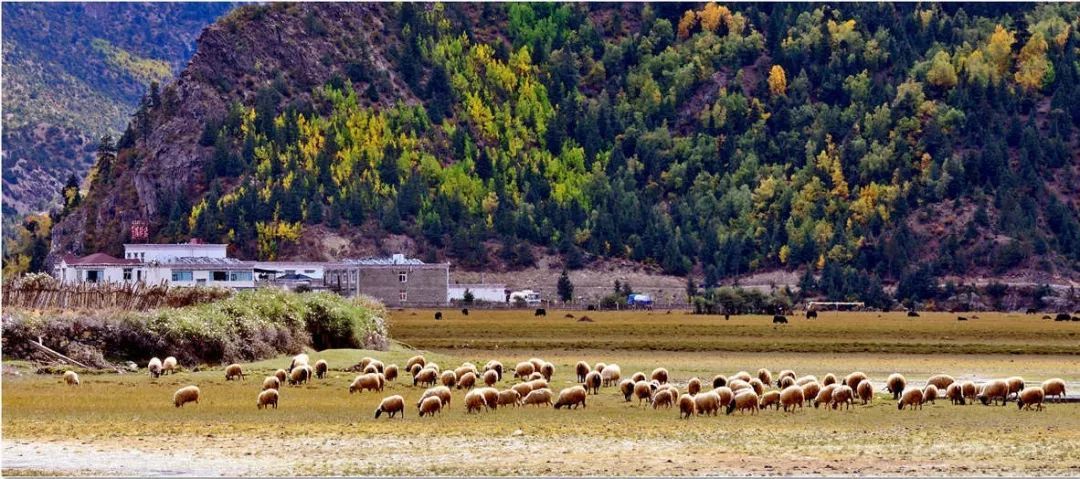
point(659, 374)
point(430, 406)
point(911, 397)
point(1054, 387)
point(71, 378)
point(842, 395)
point(391, 405)
point(686, 406)
point(896, 384)
point(154, 367)
point(610, 375)
point(994, 390)
point(571, 397)
point(791, 396)
point(321, 367)
point(582, 369)
point(707, 403)
point(271, 382)
point(746, 400)
point(169, 365)
point(538, 397)
point(865, 390)
point(234, 371)
point(185, 395)
point(1031, 396)
point(930, 394)
point(267, 398)
point(441, 392)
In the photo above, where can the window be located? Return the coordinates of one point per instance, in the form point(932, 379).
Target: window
point(220, 276)
point(93, 275)
point(182, 275)
point(403, 295)
point(127, 274)
point(403, 277)
point(138, 275)
point(240, 276)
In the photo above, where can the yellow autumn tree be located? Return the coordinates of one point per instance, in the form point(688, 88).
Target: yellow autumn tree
point(777, 80)
point(687, 24)
point(999, 51)
point(941, 73)
point(712, 16)
point(1033, 68)
point(977, 69)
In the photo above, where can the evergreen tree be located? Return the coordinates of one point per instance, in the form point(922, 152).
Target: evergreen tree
point(565, 287)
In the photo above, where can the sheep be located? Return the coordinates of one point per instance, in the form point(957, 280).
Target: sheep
point(642, 391)
point(1054, 387)
point(537, 364)
point(724, 393)
point(828, 379)
point(522, 389)
point(941, 381)
point(852, 380)
point(509, 397)
point(911, 397)
point(785, 382)
point(807, 380)
point(865, 390)
point(523, 370)
point(738, 385)
point(771, 398)
point(154, 367)
point(271, 382)
point(693, 386)
point(415, 368)
point(281, 376)
point(298, 376)
point(1031, 396)
point(368, 381)
point(496, 366)
point(707, 403)
point(547, 371)
point(233, 371)
point(538, 397)
point(638, 376)
point(626, 386)
point(670, 388)
point(791, 396)
point(719, 380)
point(659, 374)
point(490, 378)
point(413, 361)
point(466, 381)
point(71, 378)
point(429, 406)
point(169, 365)
point(993, 390)
point(391, 372)
point(474, 401)
point(538, 384)
point(842, 395)
point(969, 390)
point(465, 369)
point(592, 382)
point(895, 384)
point(571, 397)
point(687, 407)
point(425, 377)
point(955, 394)
point(764, 376)
point(743, 375)
point(810, 391)
point(787, 373)
point(441, 392)
point(610, 375)
point(930, 394)
point(448, 379)
point(1016, 384)
point(185, 395)
point(599, 367)
point(491, 397)
point(824, 396)
point(535, 376)
point(378, 365)
point(298, 360)
point(370, 369)
point(433, 365)
point(662, 398)
point(392, 405)
point(746, 400)
point(320, 368)
point(758, 386)
point(267, 398)
point(582, 369)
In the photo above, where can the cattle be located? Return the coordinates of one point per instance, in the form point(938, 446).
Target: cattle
point(464, 311)
point(1062, 317)
point(779, 319)
point(811, 314)
point(438, 315)
point(540, 312)
point(961, 318)
point(912, 314)
point(1031, 311)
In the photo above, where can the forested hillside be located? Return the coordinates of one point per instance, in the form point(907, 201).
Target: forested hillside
point(872, 141)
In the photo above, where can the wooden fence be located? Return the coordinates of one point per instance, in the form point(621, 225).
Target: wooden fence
point(38, 292)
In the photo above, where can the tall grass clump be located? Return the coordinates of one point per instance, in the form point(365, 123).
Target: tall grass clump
point(247, 326)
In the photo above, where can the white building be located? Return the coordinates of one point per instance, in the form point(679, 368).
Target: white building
point(529, 296)
point(492, 293)
point(173, 264)
point(167, 252)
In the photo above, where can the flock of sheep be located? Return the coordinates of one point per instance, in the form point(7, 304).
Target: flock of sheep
point(739, 392)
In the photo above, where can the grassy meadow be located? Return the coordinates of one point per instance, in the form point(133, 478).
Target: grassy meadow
point(126, 418)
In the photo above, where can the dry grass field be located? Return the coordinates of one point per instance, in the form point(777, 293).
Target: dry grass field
point(126, 424)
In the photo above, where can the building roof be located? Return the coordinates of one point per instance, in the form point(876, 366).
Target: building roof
point(204, 262)
point(384, 261)
point(173, 245)
point(99, 259)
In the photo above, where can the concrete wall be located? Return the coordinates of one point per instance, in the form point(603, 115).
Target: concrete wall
point(424, 284)
point(167, 252)
point(480, 292)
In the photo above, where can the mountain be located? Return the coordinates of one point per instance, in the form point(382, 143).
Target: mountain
point(871, 142)
point(74, 72)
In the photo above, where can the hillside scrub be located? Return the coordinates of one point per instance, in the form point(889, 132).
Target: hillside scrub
point(250, 325)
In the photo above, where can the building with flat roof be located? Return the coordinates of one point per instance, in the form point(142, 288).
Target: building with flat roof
point(173, 264)
point(394, 280)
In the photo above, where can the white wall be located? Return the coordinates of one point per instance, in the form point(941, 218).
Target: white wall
point(167, 252)
point(492, 294)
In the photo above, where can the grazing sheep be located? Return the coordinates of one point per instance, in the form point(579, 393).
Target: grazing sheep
point(537, 364)
point(571, 397)
point(233, 371)
point(490, 378)
point(829, 379)
point(154, 367)
point(638, 376)
point(465, 369)
point(724, 393)
point(271, 382)
point(969, 390)
point(659, 374)
point(378, 365)
point(852, 380)
point(413, 361)
point(930, 394)
point(610, 375)
point(1016, 384)
point(391, 372)
point(320, 368)
point(538, 397)
point(364, 362)
point(433, 365)
point(810, 391)
point(746, 400)
point(370, 369)
point(741, 375)
point(642, 391)
point(764, 376)
point(771, 398)
point(299, 376)
point(474, 401)
point(538, 384)
point(719, 380)
point(738, 385)
point(787, 373)
point(523, 370)
point(169, 365)
point(367, 381)
point(694, 386)
point(1054, 387)
point(785, 382)
point(758, 386)
point(466, 381)
point(298, 360)
point(955, 394)
point(807, 380)
point(281, 376)
point(496, 366)
point(865, 390)
point(267, 398)
point(592, 382)
point(791, 396)
point(912, 397)
point(993, 390)
point(582, 369)
point(662, 398)
point(707, 403)
point(547, 371)
point(941, 381)
point(824, 396)
point(429, 406)
point(425, 377)
point(509, 397)
point(71, 378)
point(491, 397)
point(441, 392)
point(185, 395)
point(1031, 396)
point(626, 387)
point(670, 388)
point(842, 395)
point(895, 384)
point(448, 379)
point(535, 376)
point(599, 367)
point(686, 406)
point(392, 405)
point(522, 388)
